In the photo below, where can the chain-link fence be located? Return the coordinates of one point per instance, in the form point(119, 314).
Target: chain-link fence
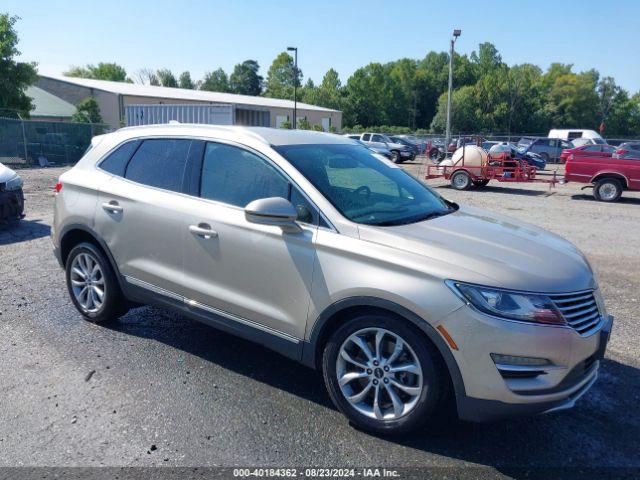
point(34, 142)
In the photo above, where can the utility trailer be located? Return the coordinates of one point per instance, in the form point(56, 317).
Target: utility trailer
point(502, 168)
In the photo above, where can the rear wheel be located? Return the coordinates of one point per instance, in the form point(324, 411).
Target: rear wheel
point(382, 374)
point(461, 180)
point(92, 284)
point(607, 190)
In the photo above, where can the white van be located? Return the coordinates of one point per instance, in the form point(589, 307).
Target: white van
point(571, 134)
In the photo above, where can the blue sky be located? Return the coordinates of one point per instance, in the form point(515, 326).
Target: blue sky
point(203, 35)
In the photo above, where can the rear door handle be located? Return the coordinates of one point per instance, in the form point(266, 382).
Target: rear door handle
point(112, 207)
point(203, 230)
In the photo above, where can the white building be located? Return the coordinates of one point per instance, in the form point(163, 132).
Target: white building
point(116, 99)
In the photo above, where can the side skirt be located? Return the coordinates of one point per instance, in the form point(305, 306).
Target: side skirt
point(145, 293)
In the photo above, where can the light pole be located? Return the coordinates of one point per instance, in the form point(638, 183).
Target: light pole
point(295, 86)
point(447, 138)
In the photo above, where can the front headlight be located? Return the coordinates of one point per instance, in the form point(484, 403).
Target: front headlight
point(525, 307)
point(14, 184)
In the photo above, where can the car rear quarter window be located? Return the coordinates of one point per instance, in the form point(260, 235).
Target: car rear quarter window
point(116, 161)
point(159, 163)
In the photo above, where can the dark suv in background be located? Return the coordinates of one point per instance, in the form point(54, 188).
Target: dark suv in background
point(550, 149)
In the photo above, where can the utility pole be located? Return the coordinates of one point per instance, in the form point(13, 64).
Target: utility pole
point(447, 138)
point(295, 86)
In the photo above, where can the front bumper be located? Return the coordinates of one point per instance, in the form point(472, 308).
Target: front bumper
point(11, 204)
point(489, 394)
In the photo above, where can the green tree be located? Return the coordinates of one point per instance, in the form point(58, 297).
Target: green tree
point(216, 81)
point(464, 111)
point(366, 96)
point(102, 71)
point(328, 94)
point(185, 81)
point(282, 77)
point(167, 78)
point(14, 76)
point(572, 101)
point(87, 111)
point(245, 79)
point(607, 94)
point(303, 124)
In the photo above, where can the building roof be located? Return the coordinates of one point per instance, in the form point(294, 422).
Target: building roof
point(47, 105)
point(270, 136)
point(138, 90)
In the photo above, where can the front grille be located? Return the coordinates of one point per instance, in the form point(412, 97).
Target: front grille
point(580, 310)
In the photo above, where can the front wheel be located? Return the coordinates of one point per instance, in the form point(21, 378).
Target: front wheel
point(382, 374)
point(92, 284)
point(395, 157)
point(607, 190)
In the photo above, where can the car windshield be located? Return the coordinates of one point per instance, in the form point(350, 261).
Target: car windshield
point(364, 186)
point(599, 141)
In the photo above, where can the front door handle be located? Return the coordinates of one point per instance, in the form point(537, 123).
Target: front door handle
point(112, 207)
point(203, 230)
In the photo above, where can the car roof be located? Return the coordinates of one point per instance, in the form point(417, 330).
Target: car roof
point(269, 136)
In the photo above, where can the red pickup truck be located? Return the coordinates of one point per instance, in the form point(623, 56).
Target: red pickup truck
point(609, 176)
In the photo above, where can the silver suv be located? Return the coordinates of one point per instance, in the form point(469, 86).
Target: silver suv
point(328, 253)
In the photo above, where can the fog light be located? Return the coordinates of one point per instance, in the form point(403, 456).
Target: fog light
point(520, 361)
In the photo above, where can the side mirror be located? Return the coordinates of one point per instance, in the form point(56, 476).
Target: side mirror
point(275, 211)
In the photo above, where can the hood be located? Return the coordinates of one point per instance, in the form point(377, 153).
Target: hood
point(398, 146)
point(6, 173)
point(476, 246)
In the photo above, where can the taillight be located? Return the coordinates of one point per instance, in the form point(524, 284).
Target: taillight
point(58, 187)
point(622, 151)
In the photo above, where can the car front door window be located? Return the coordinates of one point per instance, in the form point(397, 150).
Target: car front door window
point(235, 176)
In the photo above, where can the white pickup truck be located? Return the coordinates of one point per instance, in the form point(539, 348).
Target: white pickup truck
point(399, 152)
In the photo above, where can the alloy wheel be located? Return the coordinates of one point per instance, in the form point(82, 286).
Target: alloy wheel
point(87, 282)
point(379, 374)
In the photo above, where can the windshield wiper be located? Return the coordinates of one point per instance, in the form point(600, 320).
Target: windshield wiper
point(378, 210)
point(407, 221)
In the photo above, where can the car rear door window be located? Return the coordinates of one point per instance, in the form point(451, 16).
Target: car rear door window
point(159, 163)
point(116, 161)
point(235, 176)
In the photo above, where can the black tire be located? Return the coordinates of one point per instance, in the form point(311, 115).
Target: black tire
point(481, 183)
point(434, 154)
point(114, 304)
point(395, 157)
point(607, 190)
point(433, 374)
point(544, 156)
point(461, 180)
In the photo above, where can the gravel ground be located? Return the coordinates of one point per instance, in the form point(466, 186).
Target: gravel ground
point(159, 389)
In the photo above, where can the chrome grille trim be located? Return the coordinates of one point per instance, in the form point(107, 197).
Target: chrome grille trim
point(580, 311)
